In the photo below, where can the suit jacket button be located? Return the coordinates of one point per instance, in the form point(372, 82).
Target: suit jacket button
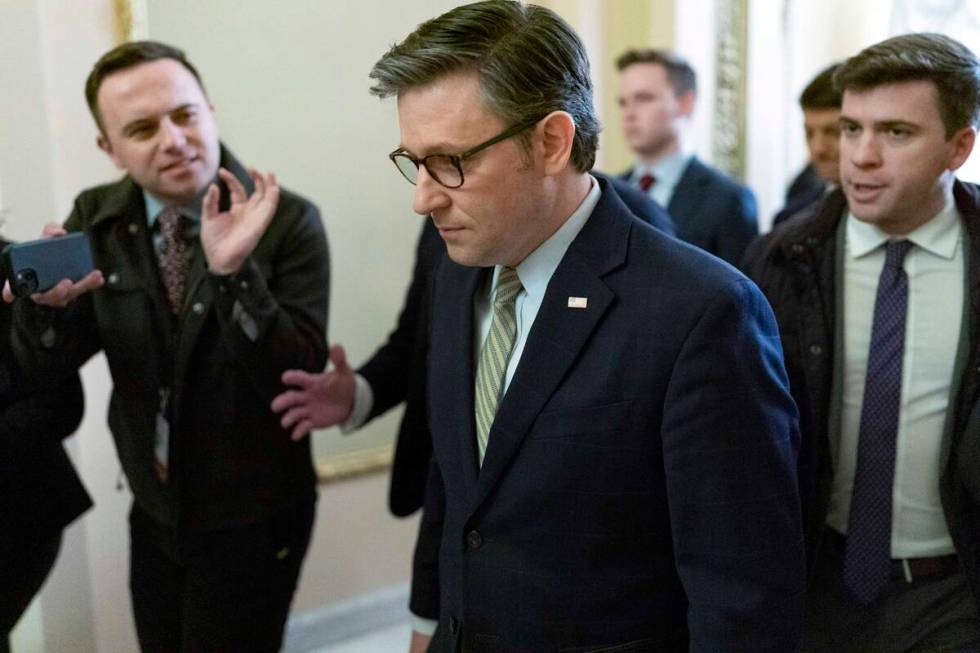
point(198, 308)
point(113, 279)
point(474, 540)
point(816, 350)
point(453, 626)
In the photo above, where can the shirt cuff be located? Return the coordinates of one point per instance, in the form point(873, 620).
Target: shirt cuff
point(363, 402)
point(424, 626)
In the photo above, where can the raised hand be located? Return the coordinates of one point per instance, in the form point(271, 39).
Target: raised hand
point(229, 237)
point(316, 400)
point(66, 291)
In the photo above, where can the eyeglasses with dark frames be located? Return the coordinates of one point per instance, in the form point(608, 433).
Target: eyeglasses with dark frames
point(447, 169)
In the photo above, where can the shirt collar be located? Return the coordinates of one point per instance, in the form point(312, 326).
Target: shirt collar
point(536, 270)
point(155, 206)
point(938, 236)
point(666, 171)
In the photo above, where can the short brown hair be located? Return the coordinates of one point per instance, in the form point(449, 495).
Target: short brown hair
point(126, 56)
point(682, 77)
point(821, 93)
point(947, 63)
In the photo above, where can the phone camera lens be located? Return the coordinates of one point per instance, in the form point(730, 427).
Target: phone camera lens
point(27, 281)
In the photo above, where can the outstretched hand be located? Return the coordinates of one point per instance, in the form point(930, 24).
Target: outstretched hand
point(316, 400)
point(229, 237)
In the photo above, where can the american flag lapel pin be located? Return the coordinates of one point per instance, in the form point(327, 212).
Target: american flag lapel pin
point(578, 302)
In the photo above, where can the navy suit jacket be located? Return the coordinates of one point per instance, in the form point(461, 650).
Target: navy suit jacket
point(639, 488)
point(713, 211)
point(396, 371)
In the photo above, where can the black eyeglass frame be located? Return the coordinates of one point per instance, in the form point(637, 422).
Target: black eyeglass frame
point(457, 159)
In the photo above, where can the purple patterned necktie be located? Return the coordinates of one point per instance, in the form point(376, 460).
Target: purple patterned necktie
point(867, 557)
point(174, 257)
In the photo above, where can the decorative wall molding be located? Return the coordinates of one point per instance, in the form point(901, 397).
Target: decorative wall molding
point(338, 467)
point(131, 20)
point(731, 58)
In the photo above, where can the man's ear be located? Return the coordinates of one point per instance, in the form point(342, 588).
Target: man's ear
point(557, 133)
point(962, 142)
point(106, 147)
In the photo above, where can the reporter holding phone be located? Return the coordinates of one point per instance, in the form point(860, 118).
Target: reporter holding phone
point(40, 493)
point(210, 282)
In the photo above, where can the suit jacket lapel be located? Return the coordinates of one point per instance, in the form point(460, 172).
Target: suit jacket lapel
point(451, 371)
point(686, 195)
point(559, 333)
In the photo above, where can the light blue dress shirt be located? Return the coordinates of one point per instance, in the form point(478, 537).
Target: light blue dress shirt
point(667, 171)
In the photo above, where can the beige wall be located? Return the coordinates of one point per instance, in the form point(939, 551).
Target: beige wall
point(609, 27)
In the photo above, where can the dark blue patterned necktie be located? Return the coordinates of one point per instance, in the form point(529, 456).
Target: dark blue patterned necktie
point(867, 559)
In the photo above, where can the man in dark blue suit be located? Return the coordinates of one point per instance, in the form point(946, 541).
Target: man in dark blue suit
point(614, 444)
point(657, 94)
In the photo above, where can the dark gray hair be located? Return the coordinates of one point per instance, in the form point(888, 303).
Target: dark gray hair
point(947, 63)
point(529, 61)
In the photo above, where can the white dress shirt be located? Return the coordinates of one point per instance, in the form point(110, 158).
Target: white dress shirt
point(935, 269)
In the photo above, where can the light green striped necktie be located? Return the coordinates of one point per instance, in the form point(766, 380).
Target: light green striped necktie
point(492, 368)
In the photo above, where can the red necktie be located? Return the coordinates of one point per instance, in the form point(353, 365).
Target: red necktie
point(646, 181)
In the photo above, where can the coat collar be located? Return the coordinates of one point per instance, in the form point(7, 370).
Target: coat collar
point(809, 232)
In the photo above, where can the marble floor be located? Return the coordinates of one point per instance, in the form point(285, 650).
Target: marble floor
point(390, 639)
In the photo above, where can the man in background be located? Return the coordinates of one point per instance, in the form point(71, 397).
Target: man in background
point(211, 282)
point(657, 96)
point(820, 102)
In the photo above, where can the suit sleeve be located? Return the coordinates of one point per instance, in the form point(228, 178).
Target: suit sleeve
point(31, 418)
point(276, 320)
point(394, 364)
point(730, 442)
point(33, 415)
point(741, 226)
